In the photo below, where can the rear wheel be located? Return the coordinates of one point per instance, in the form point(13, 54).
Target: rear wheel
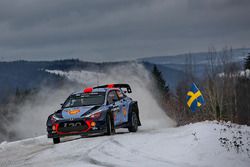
point(133, 123)
point(56, 140)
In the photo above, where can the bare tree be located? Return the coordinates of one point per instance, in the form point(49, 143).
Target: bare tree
point(212, 87)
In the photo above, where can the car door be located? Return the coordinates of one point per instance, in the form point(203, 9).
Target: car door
point(114, 105)
point(124, 106)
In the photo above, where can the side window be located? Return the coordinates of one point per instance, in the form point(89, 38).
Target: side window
point(120, 95)
point(112, 97)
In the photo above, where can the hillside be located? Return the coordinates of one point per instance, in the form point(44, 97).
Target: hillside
point(199, 58)
point(25, 75)
point(199, 62)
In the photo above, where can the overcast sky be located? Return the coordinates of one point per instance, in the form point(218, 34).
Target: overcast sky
point(112, 30)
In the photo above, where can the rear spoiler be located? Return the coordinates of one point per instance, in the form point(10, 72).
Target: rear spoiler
point(126, 86)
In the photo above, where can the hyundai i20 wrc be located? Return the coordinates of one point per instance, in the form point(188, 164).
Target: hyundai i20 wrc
point(95, 110)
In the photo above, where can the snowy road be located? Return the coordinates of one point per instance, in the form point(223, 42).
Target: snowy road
point(192, 145)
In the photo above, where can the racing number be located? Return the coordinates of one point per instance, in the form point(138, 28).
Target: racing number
point(72, 124)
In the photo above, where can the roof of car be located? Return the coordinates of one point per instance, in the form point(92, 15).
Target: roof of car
point(95, 90)
point(104, 88)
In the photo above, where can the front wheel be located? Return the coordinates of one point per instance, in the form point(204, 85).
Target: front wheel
point(56, 140)
point(133, 123)
point(110, 126)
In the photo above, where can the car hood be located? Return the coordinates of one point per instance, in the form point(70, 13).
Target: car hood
point(77, 112)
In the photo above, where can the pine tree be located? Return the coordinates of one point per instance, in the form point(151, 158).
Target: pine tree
point(160, 82)
point(247, 62)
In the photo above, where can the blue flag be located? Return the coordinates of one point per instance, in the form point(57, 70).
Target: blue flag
point(194, 98)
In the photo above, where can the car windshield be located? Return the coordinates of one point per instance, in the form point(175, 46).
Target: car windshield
point(85, 99)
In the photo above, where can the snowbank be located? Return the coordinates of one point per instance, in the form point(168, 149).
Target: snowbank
point(198, 144)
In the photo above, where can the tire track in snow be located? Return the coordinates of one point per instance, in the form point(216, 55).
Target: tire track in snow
point(15, 157)
point(106, 149)
point(93, 160)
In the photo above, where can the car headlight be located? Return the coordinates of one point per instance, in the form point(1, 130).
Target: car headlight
point(95, 115)
point(54, 118)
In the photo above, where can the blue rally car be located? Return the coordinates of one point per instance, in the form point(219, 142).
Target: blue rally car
point(97, 110)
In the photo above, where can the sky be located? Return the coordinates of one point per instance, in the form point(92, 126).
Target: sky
point(115, 30)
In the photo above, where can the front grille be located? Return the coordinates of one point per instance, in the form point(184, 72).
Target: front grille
point(72, 126)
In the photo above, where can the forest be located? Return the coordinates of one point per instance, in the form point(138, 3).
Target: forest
point(225, 86)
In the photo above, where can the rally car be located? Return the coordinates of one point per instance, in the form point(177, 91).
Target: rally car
point(95, 110)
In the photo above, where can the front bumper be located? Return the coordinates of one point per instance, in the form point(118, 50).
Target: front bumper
point(58, 129)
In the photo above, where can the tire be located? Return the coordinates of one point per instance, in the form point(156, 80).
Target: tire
point(56, 140)
point(109, 125)
point(133, 123)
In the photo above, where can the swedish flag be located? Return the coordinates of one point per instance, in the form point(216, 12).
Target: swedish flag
point(194, 98)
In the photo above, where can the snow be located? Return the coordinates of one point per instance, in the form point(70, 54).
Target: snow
point(242, 73)
point(198, 144)
point(245, 73)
